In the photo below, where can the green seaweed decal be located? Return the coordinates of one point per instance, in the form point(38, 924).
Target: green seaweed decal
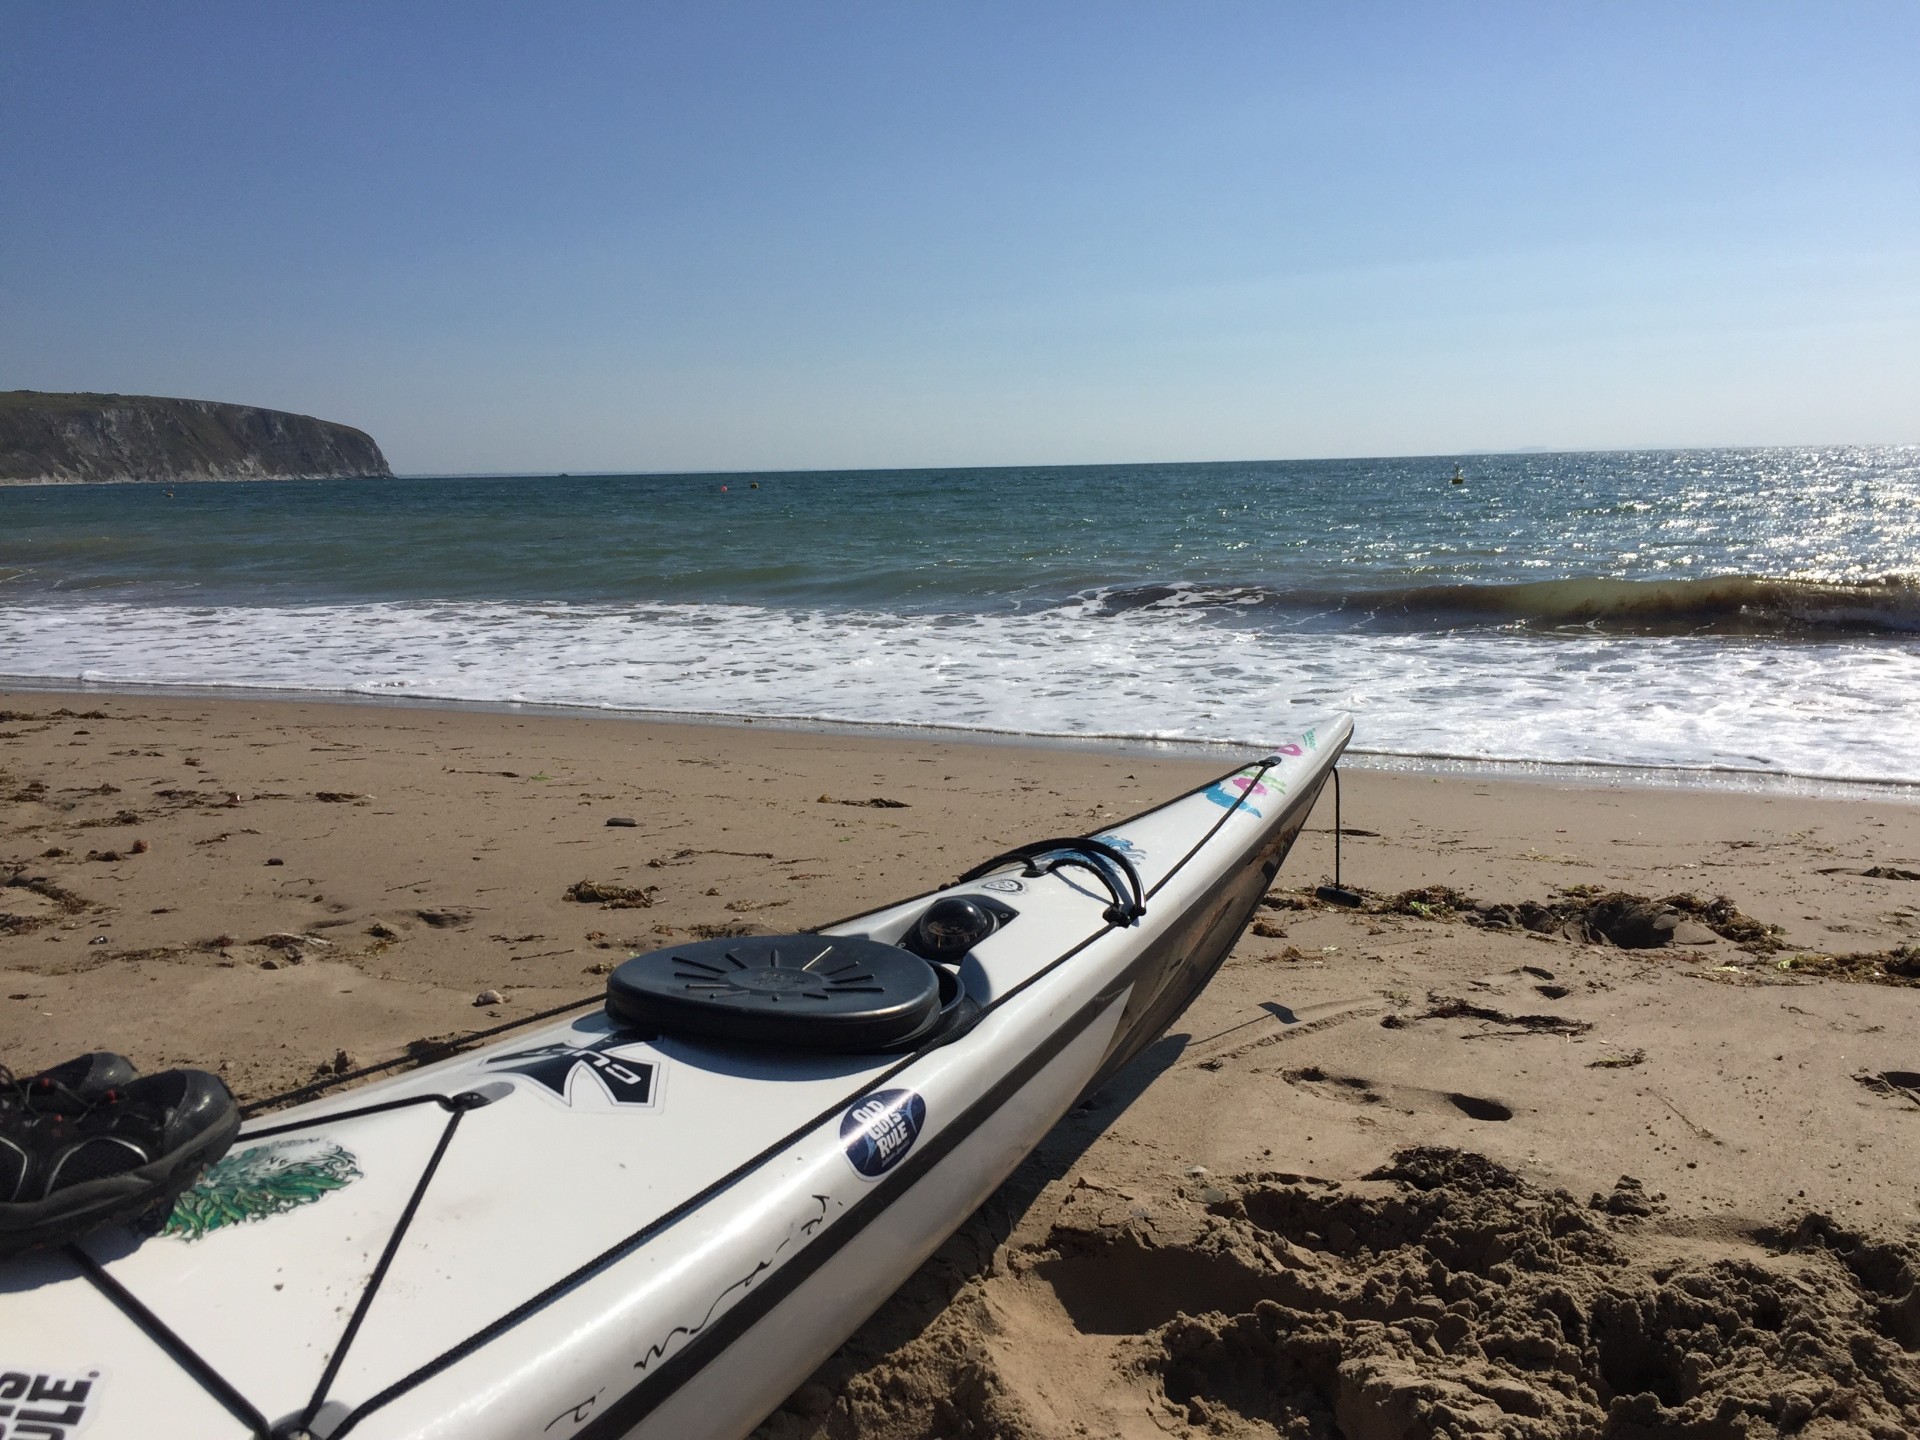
point(260, 1182)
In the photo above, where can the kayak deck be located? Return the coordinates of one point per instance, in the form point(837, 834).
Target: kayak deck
point(575, 1232)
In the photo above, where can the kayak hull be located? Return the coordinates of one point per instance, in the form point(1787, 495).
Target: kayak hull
point(591, 1232)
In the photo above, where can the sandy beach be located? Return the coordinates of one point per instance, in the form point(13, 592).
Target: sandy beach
point(1336, 1200)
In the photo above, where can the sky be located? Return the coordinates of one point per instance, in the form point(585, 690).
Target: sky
point(725, 235)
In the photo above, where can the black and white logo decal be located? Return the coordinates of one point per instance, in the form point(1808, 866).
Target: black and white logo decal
point(39, 1406)
point(625, 1080)
point(1004, 887)
point(878, 1132)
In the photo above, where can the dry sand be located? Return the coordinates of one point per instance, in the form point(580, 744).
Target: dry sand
point(1396, 1174)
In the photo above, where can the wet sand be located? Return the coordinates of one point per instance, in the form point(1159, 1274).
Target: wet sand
point(1222, 1243)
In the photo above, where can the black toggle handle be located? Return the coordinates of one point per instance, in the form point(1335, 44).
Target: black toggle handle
point(1115, 870)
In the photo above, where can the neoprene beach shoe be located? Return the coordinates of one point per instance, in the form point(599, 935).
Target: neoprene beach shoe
point(76, 1084)
point(67, 1169)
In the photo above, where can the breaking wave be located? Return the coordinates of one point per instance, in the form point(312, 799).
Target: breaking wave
point(1834, 708)
point(1716, 605)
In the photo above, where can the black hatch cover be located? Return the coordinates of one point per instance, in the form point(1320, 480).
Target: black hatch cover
point(816, 992)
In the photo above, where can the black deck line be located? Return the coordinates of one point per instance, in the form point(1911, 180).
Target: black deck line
point(1110, 825)
point(182, 1354)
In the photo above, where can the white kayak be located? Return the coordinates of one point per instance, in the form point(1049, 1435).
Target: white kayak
point(657, 1219)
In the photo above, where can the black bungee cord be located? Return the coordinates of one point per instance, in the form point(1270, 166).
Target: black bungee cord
point(203, 1370)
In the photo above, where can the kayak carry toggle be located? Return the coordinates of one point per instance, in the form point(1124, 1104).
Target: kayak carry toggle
point(1115, 870)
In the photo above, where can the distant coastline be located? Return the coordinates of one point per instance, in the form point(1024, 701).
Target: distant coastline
point(50, 438)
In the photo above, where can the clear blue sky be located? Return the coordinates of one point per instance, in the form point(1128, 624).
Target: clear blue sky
point(712, 235)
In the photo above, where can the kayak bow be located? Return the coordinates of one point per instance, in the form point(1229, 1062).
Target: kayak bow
point(657, 1219)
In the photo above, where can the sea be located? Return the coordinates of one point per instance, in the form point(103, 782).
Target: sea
point(1715, 614)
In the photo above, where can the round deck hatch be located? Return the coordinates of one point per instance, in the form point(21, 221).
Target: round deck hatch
point(814, 992)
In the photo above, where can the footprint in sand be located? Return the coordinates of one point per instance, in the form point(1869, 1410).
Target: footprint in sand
point(1413, 1099)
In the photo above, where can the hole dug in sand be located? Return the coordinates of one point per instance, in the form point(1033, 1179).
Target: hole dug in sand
point(1584, 913)
point(1128, 1289)
point(1442, 1296)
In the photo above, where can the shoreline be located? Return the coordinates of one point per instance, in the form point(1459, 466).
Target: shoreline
point(1708, 779)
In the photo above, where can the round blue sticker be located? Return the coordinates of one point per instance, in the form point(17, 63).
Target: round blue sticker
point(878, 1132)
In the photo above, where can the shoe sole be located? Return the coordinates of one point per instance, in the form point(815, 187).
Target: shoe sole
point(82, 1209)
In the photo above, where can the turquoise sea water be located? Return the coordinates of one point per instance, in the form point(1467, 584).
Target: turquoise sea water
point(1750, 609)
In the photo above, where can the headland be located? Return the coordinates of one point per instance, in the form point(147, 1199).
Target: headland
point(76, 438)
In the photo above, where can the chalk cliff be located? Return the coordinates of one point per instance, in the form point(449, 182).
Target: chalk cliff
point(52, 439)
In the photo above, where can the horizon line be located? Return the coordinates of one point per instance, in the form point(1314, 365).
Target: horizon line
point(1438, 455)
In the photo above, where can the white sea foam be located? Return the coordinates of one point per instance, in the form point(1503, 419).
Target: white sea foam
point(1839, 709)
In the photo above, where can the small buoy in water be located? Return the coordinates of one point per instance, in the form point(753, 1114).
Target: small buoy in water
point(755, 485)
point(723, 489)
point(1458, 478)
